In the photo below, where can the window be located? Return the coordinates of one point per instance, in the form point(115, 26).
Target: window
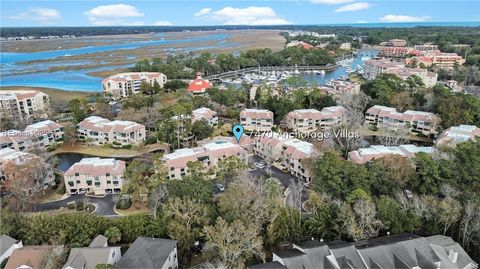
point(108, 181)
point(77, 174)
point(89, 182)
point(107, 174)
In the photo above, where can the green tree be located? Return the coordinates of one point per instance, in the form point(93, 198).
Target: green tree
point(201, 129)
point(113, 234)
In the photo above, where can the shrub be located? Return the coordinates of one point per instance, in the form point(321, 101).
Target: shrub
point(150, 140)
point(79, 205)
point(124, 203)
point(71, 205)
point(52, 147)
point(115, 143)
point(128, 146)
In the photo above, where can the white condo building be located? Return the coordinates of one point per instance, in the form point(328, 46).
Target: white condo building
point(388, 117)
point(125, 84)
point(207, 114)
point(305, 120)
point(95, 175)
point(24, 104)
point(364, 155)
point(291, 153)
point(458, 134)
point(103, 131)
point(209, 154)
point(256, 119)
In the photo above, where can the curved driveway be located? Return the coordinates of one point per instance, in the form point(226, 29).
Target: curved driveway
point(104, 205)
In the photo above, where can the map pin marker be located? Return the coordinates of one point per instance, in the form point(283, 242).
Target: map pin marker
point(237, 131)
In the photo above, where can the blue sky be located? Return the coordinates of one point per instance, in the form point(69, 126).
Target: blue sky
point(150, 12)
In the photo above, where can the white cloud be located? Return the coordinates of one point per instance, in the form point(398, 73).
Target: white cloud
point(361, 21)
point(353, 7)
point(203, 11)
point(40, 14)
point(162, 23)
point(331, 2)
point(404, 18)
point(108, 15)
point(245, 16)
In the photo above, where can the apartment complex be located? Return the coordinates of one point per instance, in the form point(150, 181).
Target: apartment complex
point(15, 163)
point(338, 88)
point(374, 68)
point(199, 85)
point(396, 51)
point(46, 132)
point(291, 153)
point(394, 43)
point(304, 120)
point(25, 104)
point(209, 154)
point(365, 155)
point(207, 114)
point(416, 121)
point(299, 44)
point(437, 58)
point(256, 119)
point(125, 84)
point(41, 135)
point(394, 251)
point(458, 134)
point(95, 175)
point(100, 131)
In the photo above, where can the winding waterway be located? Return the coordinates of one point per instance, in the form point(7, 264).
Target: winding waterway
point(16, 69)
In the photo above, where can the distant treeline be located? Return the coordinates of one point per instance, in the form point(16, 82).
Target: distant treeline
point(383, 32)
point(117, 30)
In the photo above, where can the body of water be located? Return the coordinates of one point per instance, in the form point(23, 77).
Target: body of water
point(12, 67)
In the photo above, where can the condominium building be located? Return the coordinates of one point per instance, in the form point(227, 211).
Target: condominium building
point(437, 58)
point(18, 140)
point(339, 88)
point(364, 155)
point(38, 135)
point(290, 153)
point(394, 43)
point(99, 131)
point(373, 68)
point(295, 153)
point(208, 154)
point(428, 78)
point(426, 46)
point(416, 121)
point(299, 44)
point(207, 114)
point(95, 175)
point(199, 85)
point(304, 120)
point(393, 251)
point(458, 134)
point(125, 84)
point(396, 51)
point(46, 132)
point(13, 163)
point(256, 119)
point(24, 104)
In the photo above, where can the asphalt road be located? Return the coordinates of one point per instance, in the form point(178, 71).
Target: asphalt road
point(104, 205)
point(285, 178)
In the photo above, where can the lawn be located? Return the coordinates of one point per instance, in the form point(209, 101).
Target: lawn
point(109, 152)
point(57, 96)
